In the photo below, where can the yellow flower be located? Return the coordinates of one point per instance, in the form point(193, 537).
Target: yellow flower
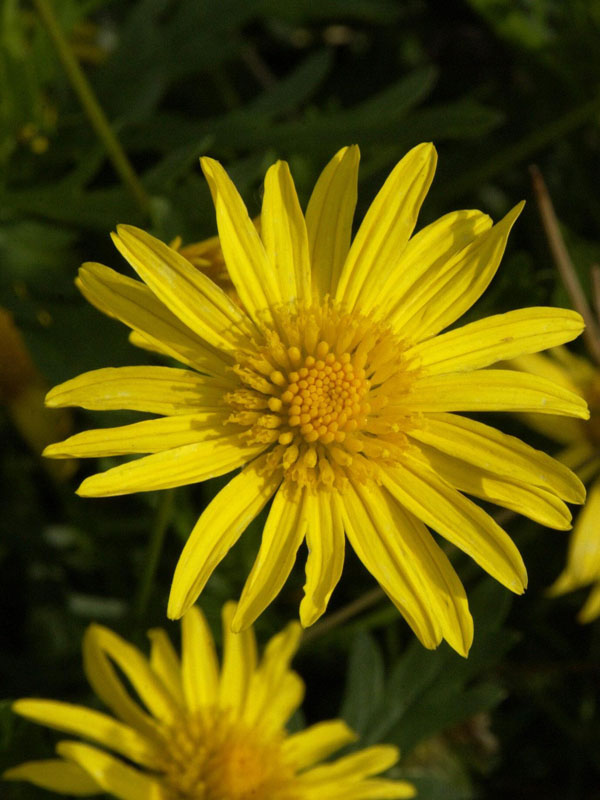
point(580, 441)
point(203, 734)
point(332, 390)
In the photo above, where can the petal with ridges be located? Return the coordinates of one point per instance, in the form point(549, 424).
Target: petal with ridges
point(247, 262)
point(315, 744)
point(496, 338)
point(188, 293)
point(387, 226)
point(329, 219)
point(132, 303)
point(325, 542)
point(492, 390)
point(283, 231)
point(219, 527)
point(416, 486)
point(369, 789)
point(155, 390)
point(239, 662)
point(362, 764)
point(164, 662)
point(488, 448)
point(446, 293)
point(113, 775)
point(199, 664)
point(55, 775)
point(181, 466)
point(149, 436)
point(89, 724)
point(282, 536)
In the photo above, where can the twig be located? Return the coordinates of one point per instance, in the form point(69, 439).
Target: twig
point(595, 276)
point(157, 537)
point(363, 602)
point(563, 262)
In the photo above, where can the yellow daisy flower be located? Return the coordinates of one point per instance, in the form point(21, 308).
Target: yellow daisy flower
point(580, 441)
point(333, 391)
point(203, 734)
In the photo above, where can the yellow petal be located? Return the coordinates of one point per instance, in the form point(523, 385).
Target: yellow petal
point(387, 226)
point(583, 557)
point(315, 744)
point(492, 390)
point(444, 294)
point(149, 436)
point(362, 764)
point(499, 453)
point(188, 293)
point(113, 775)
point(329, 219)
point(531, 501)
point(155, 390)
point(239, 662)
point(219, 527)
point(283, 231)
point(282, 536)
point(370, 789)
point(132, 303)
point(55, 775)
point(191, 463)
point(89, 724)
point(429, 498)
point(164, 662)
point(426, 253)
point(426, 566)
point(591, 608)
point(102, 646)
point(247, 262)
point(390, 565)
point(199, 665)
point(325, 542)
point(496, 338)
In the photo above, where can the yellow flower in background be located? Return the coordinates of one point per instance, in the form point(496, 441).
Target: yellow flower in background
point(333, 390)
point(202, 732)
point(580, 442)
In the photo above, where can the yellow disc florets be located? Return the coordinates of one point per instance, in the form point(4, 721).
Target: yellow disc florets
point(322, 388)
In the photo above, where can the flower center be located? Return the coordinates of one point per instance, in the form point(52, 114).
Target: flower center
point(209, 756)
point(322, 391)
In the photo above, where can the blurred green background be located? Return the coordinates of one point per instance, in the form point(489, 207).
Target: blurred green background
point(496, 85)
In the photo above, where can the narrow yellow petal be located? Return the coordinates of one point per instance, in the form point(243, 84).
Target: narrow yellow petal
point(496, 338)
point(239, 662)
point(591, 608)
point(55, 775)
point(388, 561)
point(362, 764)
point(155, 390)
point(132, 303)
point(219, 527)
point(329, 219)
point(102, 646)
point(492, 390)
point(315, 744)
point(111, 774)
point(191, 463)
point(247, 262)
point(149, 436)
point(89, 724)
point(387, 226)
point(369, 789)
point(444, 294)
point(501, 454)
point(188, 293)
point(199, 664)
point(417, 487)
point(431, 574)
point(282, 536)
point(283, 232)
point(164, 662)
point(325, 542)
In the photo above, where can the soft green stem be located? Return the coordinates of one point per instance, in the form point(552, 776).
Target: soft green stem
point(90, 103)
point(159, 529)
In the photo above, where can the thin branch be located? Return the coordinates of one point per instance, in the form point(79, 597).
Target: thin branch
point(361, 603)
point(595, 276)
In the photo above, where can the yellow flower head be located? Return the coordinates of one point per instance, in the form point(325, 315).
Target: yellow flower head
point(580, 441)
point(333, 391)
point(200, 733)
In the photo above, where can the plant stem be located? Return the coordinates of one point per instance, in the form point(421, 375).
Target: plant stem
point(157, 537)
point(361, 603)
point(91, 106)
